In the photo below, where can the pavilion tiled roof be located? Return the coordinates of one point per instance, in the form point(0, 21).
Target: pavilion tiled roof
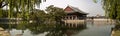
point(75, 9)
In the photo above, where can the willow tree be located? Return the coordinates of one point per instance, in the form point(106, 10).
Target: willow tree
point(112, 8)
point(23, 7)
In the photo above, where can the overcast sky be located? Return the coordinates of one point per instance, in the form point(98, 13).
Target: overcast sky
point(85, 5)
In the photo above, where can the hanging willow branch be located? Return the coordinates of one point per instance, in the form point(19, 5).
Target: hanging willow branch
point(23, 6)
point(112, 8)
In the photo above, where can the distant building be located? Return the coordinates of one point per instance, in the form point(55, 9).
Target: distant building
point(74, 13)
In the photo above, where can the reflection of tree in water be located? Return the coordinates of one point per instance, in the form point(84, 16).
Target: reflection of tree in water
point(52, 29)
point(39, 28)
point(64, 31)
point(6, 26)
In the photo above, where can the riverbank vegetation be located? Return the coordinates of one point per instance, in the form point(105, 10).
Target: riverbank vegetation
point(42, 20)
point(26, 10)
point(53, 14)
point(112, 10)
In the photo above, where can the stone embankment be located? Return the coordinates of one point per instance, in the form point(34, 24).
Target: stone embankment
point(3, 32)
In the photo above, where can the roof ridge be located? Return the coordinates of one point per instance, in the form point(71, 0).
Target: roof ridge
point(75, 9)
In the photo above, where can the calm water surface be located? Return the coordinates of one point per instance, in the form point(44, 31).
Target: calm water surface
point(90, 29)
point(96, 30)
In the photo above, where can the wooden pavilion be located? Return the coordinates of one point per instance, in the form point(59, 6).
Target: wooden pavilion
point(74, 13)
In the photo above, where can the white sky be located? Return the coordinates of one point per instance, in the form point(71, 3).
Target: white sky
point(85, 5)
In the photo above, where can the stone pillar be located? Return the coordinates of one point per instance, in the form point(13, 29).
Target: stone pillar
point(76, 17)
point(72, 18)
point(68, 17)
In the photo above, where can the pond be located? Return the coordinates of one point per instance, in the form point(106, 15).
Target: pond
point(88, 29)
point(96, 30)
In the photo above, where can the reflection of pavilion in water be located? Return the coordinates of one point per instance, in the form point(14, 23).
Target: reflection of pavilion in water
point(75, 25)
point(74, 28)
point(68, 29)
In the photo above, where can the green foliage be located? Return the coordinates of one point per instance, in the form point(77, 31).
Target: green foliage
point(25, 9)
point(23, 6)
point(95, 1)
point(112, 8)
point(1, 13)
point(38, 15)
point(55, 13)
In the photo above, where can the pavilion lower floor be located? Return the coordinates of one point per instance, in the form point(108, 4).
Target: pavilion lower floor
point(74, 18)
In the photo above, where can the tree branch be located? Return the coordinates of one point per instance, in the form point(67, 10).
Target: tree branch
point(2, 4)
